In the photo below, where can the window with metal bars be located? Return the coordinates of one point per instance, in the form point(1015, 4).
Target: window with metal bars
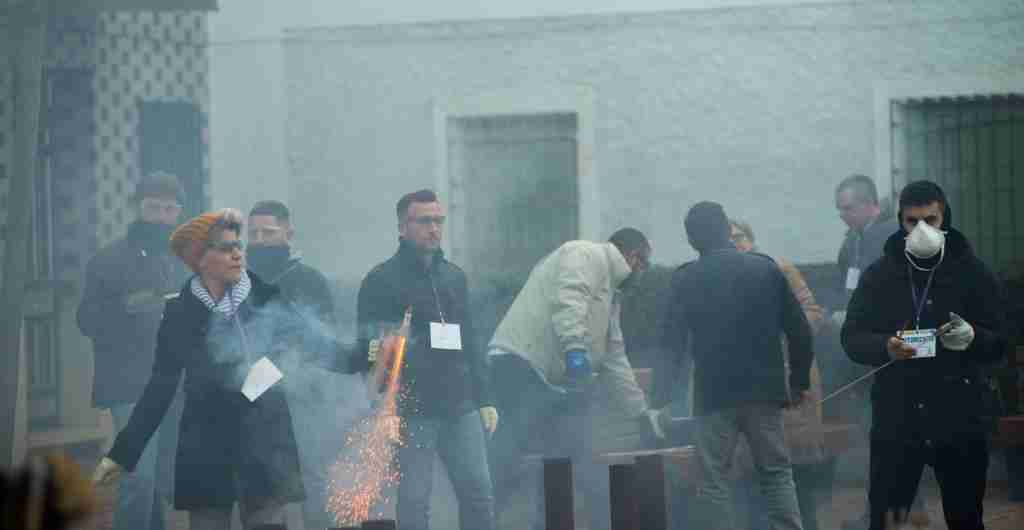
point(974, 148)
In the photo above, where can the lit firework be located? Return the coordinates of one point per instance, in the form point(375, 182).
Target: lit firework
point(367, 469)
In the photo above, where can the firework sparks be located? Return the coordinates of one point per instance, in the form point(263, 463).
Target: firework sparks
point(359, 478)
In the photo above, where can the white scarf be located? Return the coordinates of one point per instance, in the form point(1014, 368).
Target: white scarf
point(232, 299)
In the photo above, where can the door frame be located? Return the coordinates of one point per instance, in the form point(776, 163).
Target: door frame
point(578, 100)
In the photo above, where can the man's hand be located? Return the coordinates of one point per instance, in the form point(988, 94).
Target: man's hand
point(837, 319)
point(957, 334)
point(106, 472)
point(654, 417)
point(577, 370)
point(800, 398)
point(899, 350)
point(489, 415)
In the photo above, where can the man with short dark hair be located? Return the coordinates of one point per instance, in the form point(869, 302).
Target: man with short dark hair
point(931, 315)
point(857, 203)
point(271, 256)
point(727, 310)
point(125, 288)
point(445, 399)
point(562, 328)
point(868, 228)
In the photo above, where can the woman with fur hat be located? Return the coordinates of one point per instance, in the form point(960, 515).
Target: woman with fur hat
point(223, 325)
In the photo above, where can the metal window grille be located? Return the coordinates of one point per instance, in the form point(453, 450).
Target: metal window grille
point(974, 148)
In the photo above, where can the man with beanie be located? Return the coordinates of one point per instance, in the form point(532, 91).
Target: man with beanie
point(445, 402)
point(728, 310)
point(563, 328)
point(931, 315)
point(125, 288)
point(315, 396)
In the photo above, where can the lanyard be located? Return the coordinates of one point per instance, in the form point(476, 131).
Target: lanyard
point(437, 299)
point(919, 303)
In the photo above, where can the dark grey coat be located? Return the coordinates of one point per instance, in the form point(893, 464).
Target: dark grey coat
point(223, 435)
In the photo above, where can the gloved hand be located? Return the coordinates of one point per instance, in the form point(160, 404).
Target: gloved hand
point(654, 416)
point(838, 318)
point(106, 472)
point(489, 415)
point(577, 370)
point(144, 301)
point(957, 334)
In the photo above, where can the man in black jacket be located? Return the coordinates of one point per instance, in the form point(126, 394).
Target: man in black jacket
point(731, 308)
point(125, 287)
point(868, 229)
point(934, 312)
point(445, 402)
point(271, 256)
point(315, 394)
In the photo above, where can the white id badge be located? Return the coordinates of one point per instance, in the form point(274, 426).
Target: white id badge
point(262, 375)
point(445, 336)
point(852, 278)
point(922, 340)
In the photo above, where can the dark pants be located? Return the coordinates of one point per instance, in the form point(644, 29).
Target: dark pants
point(460, 443)
point(960, 469)
point(535, 418)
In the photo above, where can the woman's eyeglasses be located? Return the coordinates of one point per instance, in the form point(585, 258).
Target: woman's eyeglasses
point(228, 246)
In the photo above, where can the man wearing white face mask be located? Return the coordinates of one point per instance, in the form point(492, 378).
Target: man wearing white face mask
point(934, 311)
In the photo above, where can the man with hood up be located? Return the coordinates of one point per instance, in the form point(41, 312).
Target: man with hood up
point(315, 395)
point(931, 314)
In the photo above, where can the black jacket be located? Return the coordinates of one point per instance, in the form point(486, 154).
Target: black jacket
point(123, 342)
point(434, 382)
point(305, 286)
point(732, 308)
point(944, 397)
point(222, 433)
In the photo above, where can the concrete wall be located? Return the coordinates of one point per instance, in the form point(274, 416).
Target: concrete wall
point(247, 83)
point(764, 109)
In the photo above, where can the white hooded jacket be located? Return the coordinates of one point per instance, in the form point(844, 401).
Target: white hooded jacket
point(567, 304)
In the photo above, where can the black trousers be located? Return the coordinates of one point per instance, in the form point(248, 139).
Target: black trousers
point(960, 469)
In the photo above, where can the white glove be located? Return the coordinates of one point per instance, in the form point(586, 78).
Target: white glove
point(654, 416)
point(489, 415)
point(838, 318)
point(106, 472)
point(958, 334)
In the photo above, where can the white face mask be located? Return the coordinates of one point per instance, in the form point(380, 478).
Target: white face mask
point(924, 242)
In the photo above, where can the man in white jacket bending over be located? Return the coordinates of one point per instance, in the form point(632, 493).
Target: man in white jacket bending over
point(559, 363)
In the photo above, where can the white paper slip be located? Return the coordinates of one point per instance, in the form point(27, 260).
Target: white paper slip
point(852, 278)
point(922, 340)
point(262, 376)
point(445, 336)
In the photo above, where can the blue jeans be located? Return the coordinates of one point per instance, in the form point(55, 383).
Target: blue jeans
point(717, 434)
point(138, 505)
point(460, 443)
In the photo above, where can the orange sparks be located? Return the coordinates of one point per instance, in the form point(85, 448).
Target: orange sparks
point(359, 478)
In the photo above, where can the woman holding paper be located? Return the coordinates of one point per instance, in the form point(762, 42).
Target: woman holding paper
point(227, 331)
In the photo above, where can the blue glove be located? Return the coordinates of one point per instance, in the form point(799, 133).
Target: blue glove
point(577, 369)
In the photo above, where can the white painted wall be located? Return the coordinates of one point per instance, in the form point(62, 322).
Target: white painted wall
point(764, 110)
point(248, 158)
